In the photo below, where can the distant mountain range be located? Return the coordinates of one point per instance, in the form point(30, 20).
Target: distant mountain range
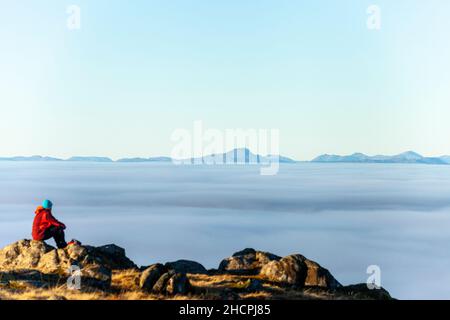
point(244, 155)
point(86, 159)
point(32, 158)
point(406, 157)
point(239, 155)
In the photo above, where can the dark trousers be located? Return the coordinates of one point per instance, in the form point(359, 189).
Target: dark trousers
point(56, 233)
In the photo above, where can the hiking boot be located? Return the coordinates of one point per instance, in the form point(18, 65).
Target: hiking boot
point(73, 241)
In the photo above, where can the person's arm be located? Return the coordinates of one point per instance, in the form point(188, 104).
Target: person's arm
point(53, 221)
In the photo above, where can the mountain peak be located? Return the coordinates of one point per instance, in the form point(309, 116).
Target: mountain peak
point(410, 155)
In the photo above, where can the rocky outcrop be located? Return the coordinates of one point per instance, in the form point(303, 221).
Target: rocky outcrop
point(361, 291)
point(161, 280)
point(114, 257)
point(95, 263)
point(246, 274)
point(295, 270)
point(151, 275)
point(161, 284)
point(178, 284)
point(186, 266)
point(248, 261)
point(298, 271)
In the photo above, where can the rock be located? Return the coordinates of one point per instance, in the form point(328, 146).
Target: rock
point(113, 251)
point(164, 279)
point(31, 278)
point(186, 266)
point(178, 284)
point(95, 263)
point(361, 291)
point(23, 254)
point(161, 285)
point(95, 275)
point(115, 257)
point(318, 276)
point(298, 271)
point(290, 270)
point(248, 261)
point(77, 252)
point(151, 275)
point(51, 261)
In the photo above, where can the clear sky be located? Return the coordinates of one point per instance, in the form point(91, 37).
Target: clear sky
point(138, 70)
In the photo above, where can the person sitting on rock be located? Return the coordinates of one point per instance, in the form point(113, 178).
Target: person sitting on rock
point(45, 226)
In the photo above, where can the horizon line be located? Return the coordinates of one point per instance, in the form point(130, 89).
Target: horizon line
point(114, 159)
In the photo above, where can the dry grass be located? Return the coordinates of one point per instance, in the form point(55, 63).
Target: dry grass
point(55, 293)
point(125, 286)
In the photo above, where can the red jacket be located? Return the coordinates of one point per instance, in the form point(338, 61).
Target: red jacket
point(42, 221)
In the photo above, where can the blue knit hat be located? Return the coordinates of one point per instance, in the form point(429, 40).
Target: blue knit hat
point(47, 204)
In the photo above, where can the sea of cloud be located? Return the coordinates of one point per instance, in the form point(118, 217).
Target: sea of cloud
point(345, 216)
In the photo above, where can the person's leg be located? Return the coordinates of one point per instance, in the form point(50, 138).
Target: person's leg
point(56, 233)
point(60, 238)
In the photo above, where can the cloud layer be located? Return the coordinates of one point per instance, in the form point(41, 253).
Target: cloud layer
point(344, 216)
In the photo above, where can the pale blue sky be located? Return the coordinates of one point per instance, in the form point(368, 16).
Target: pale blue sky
point(137, 70)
